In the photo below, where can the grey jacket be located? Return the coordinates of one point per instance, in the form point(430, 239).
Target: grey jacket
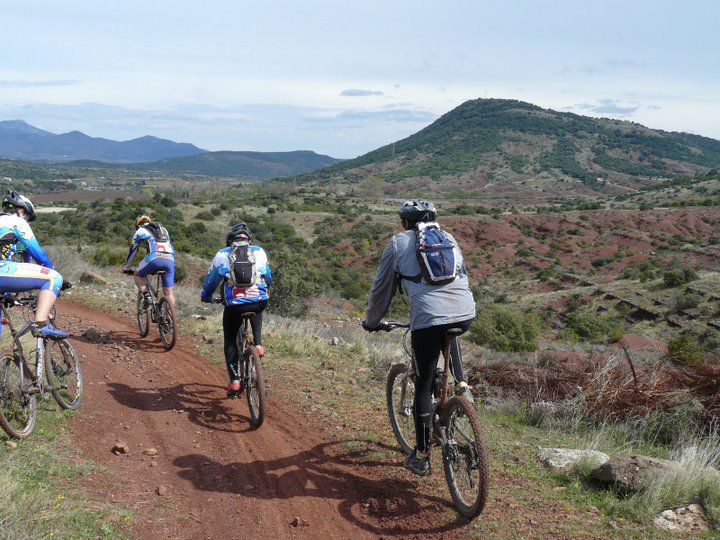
point(430, 305)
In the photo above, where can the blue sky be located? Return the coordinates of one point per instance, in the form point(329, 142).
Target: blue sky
point(343, 78)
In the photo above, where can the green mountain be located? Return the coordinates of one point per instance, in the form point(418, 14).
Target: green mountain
point(258, 165)
point(508, 148)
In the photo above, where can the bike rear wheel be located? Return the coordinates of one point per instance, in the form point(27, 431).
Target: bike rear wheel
point(255, 386)
point(143, 316)
point(465, 457)
point(18, 409)
point(400, 393)
point(62, 369)
point(167, 324)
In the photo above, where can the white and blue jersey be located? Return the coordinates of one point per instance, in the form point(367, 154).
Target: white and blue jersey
point(144, 238)
point(232, 295)
point(16, 237)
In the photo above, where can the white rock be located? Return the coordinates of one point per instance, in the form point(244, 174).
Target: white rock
point(564, 459)
point(684, 519)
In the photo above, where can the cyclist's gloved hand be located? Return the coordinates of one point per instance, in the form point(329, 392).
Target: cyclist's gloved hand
point(369, 328)
point(66, 285)
point(128, 271)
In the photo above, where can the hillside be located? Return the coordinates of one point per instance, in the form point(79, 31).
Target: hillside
point(20, 140)
point(244, 164)
point(517, 151)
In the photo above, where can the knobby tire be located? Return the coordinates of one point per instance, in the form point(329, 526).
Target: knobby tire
point(255, 387)
point(471, 458)
point(62, 369)
point(18, 410)
point(167, 324)
point(143, 316)
point(403, 426)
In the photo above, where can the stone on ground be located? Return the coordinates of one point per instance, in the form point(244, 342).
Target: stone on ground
point(684, 519)
point(630, 474)
point(565, 459)
point(88, 276)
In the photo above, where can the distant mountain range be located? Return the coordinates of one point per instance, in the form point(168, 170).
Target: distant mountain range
point(244, 164)
point(19, 140)
point(511, 149)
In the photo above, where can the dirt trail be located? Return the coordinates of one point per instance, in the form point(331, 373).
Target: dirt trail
point(217, 476)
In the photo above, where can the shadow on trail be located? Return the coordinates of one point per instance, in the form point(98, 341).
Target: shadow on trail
point(205, 404)
point(356, 478)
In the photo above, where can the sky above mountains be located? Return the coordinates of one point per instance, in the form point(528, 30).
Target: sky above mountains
point(343, 78)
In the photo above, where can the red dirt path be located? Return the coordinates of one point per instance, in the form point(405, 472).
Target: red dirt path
point(221, 478)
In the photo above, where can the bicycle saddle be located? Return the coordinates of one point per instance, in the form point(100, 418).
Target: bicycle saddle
point(248, 315)
point(161, 272)
point(454, 332)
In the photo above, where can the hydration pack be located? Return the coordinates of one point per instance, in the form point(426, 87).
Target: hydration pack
point(243, 265)
point(435, 254)
point(158, 231)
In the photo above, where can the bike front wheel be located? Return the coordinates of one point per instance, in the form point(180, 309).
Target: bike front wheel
point(400, 393)
point(255, 387)
point(18, 408)
point(62, 369)
point(143, 316)
point(465, 457)
point(167, 324)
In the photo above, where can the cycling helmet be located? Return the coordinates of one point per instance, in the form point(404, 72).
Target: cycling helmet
point(236, 232)
point(418, 210)
point(142, 219)
point(13, 201)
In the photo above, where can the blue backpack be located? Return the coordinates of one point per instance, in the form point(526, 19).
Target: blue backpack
point(435, 254)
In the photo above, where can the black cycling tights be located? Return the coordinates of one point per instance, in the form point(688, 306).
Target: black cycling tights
point(231, 327)
point(427, 345)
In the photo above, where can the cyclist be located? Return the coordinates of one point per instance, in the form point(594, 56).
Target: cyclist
point(433, 310)
point(17, 239)
point(239, 300)
point(155, 239)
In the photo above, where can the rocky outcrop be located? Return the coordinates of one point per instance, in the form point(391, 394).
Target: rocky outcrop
point(630, 474)
point(565, 459)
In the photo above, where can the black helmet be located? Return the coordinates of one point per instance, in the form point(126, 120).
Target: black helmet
point(13, 200)
point(236, 231)
point(418, 210)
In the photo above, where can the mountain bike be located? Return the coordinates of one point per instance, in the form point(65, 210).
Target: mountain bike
point(250, 371)
point(55, 370)
point(455, 426)
point(157, 311)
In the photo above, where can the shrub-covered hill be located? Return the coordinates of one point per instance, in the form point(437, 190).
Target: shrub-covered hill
point(258, 165)
point(522, 151)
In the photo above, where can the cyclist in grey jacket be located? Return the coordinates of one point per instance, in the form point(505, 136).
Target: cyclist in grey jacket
point(433, 309)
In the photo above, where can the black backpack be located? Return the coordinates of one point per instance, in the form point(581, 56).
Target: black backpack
point(158, 231)
point(243, 265)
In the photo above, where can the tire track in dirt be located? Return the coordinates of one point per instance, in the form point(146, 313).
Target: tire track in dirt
point(220, 477)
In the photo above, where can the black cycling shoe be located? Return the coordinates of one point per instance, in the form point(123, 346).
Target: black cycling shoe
point(417, 464)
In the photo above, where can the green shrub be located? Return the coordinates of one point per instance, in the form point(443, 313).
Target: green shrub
point(501, 328)
point(684, 349)
point(675, 277)
point(109, 256)
point(593, 328)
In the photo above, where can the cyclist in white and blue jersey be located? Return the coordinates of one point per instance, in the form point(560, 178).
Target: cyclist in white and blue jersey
point(17, 237)
point(238, 300)
point(154, 238)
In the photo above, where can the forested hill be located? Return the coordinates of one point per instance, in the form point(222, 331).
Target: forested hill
point(244, 164)
point(503, 143)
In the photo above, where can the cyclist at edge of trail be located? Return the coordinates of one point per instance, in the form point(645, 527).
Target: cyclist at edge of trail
point(239, 300)
point(433, 310)
point(17, 238)
point(154, 238)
